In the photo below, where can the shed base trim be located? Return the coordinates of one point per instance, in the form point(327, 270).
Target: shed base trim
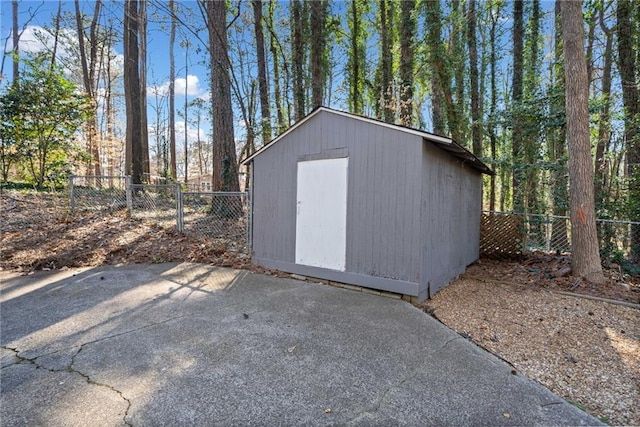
point(379, 283)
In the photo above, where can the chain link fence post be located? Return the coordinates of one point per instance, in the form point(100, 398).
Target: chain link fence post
point(179, 209)
point(129, 192)
point(547, 232)
point(72, 202)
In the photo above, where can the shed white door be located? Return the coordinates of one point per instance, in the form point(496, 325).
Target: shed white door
point(321, 219)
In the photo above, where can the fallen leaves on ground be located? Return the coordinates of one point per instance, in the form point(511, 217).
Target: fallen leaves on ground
point(586, 351)
point(540, 271)
point(38, 232)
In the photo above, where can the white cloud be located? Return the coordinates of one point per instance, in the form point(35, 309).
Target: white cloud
point(36, 39)
point(160, 90)
point(206, 96)
point(192, 132)
point(33, 39)
point(190, 85)
point(117, 62)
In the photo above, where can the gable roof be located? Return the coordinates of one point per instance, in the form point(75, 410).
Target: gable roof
point(442, 142)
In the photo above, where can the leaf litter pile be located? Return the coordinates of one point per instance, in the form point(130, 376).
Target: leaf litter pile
point(586, 351)
point(552, 272)
point(38, 233)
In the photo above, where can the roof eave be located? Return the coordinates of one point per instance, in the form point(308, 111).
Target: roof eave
point(463, 154)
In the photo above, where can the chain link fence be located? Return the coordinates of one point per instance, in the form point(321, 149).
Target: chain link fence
point(224, 218)
point(98, 192)
point(511, 235)
point(218, 217)
point(157, 203)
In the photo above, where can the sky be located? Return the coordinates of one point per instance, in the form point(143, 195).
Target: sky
point(34, 15)
point(191, 74)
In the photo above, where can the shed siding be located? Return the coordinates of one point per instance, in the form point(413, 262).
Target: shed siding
point(451, 206)
point(383, 197)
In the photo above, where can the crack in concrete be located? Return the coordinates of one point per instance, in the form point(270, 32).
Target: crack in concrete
point(21, 359)
point(383, 397)
point(544, 405)
point(50, 353)
point(414, 373)
point(69, 368)
point(91, 381)
point(446, 344)
point(376, 406)
point(150, 325)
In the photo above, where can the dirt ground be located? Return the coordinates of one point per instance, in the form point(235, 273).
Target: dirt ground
point(587, 351)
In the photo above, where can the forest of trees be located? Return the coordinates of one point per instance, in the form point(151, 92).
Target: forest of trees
point(490, 74)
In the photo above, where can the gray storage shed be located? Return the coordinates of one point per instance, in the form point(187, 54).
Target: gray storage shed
point(359, 201)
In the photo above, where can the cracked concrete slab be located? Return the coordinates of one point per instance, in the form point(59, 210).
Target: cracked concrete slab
point(189, 344)
point(35, 396)
point(8, 357)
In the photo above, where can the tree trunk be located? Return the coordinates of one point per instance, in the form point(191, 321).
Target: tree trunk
point(604, 121)
point(56, 35)
point(172, 92)
point(605, 230)
point(384, 102)
point(263, 85)
point(492, 113)
point(631, 101)
point(273, 48)
point(186, 112)
point(476, 116)
point(144, 129)
point(407, 62)
point(356, 57)
point(88, 79)
point(516, 105)
point(439, 76)
point(16, 41)
point(530, 123)
point(88, 87)
point(355, 63)
point(225, 175)
point(93, 46)
point(83, 53)
point(199, 146)
point(110, 116)
point(456, 116)
point(584, 238)
point(133, 155)
point(318, 48)
point(558, 137)
point(297, 52)
point(93, 80)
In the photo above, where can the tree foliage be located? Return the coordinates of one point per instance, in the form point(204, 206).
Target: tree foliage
point(40, 116)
